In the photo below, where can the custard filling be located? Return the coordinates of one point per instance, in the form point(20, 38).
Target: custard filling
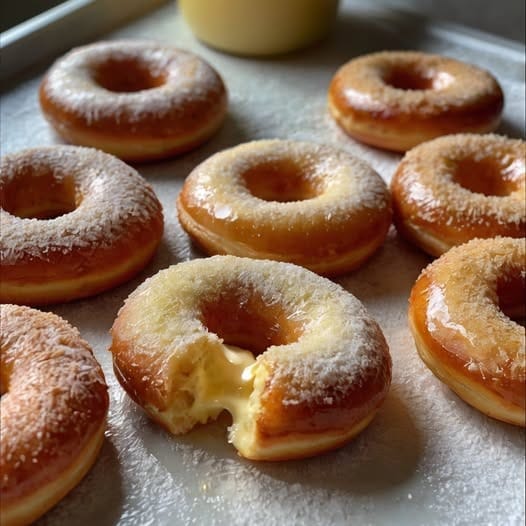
point(223, 381)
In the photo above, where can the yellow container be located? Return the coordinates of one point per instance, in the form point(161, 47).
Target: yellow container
point(259, 27)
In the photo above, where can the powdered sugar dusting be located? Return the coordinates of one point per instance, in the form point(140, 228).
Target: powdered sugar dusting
point(459, 466)
point(347, 183)
point(364, 82)
point(56, 397)
point(340, 346)
point(428, 195)
point(185, 82)
point(114, 203)
point(350, 199)
point(463, 307)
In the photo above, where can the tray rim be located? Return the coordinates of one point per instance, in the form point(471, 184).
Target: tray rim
point(48, 34)
point(29, 43)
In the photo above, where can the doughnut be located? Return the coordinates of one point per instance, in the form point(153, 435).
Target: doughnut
point(461, 313)
point(54, 406)
point(456, 188)
point(303, 203)
point(138, 100)
point(75, 221)
point(398, 99)
point(294, 358)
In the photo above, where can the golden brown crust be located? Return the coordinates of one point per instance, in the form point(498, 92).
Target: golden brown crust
point(296, 446)
point(108, 226)
point(396, 100)
point(322, 370)
point(354, 404)
point(54, 406)
point(456, 188)
point(172, 103)
point(308, 204)
point(461, 332)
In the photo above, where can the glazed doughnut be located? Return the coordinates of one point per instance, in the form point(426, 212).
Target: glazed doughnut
point(138, 100)
point(75, 222)
point(183, 347)
point(456, 188)
point(398, 99)
point(307, 204)
point(461, 314)
point(54, 406)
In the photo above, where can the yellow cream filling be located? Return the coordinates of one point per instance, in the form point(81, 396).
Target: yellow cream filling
point(224, 380)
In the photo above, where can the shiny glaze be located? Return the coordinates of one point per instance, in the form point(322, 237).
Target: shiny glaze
point(456, 188)
point(322, 366)
point(456, 315)
point(396, 100)
point(138, 100)
point(108, 224)
point(53, 411)
point(304, 203)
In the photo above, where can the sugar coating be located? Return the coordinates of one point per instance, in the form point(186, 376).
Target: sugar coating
point(114, 203)
point(455, 84)
point(187, 81)
point(350, 205)
point(55, 397)
point(428, 193)
point(340, 345)
point(346, 183)
point(424, 440)
point(463, 311)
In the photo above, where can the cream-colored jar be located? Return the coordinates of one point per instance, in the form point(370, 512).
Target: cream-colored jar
point(259, 27)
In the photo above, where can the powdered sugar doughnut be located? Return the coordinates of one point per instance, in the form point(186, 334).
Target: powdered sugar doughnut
point(398, 99)
point(456, 188)
point(54, 405)
point(461, 314)
point(184, 345)
point(308, 204)
point(138, 100)
point(75, 222)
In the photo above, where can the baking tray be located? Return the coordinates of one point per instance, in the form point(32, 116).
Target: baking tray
point(427, 458)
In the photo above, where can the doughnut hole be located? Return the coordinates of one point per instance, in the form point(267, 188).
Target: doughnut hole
point(248, 322)
point(6, 370)
point(282, 181)
point(4, 382)
point(413, 79)
point(511, 293)
point(247, 325)
point(126, 75)
point(484, 176)
point(39, 194)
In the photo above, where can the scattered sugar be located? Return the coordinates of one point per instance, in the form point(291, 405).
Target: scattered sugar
point(447, 455)
point(460, 467)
